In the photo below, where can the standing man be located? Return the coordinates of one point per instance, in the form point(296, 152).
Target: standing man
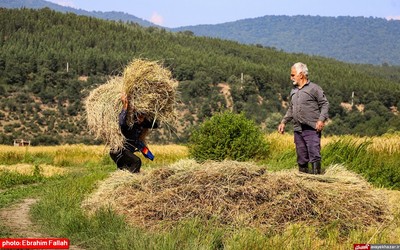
point(308, 109)
point(134, 135)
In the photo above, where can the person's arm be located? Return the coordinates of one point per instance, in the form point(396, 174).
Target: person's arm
point(323, 105)
point(281, 128)
point(124, 111)
point(142, 136)
point(287, 118)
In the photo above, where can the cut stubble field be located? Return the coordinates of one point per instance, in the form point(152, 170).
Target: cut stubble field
point(176, 203)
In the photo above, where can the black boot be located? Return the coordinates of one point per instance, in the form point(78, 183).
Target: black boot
point(316, 167)
point(303, 168)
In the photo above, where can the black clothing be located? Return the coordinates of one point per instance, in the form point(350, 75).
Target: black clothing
point(132, 133)
point(125, 158)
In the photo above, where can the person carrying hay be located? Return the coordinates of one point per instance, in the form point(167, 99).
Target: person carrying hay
point(149, 96)
point(134, 139)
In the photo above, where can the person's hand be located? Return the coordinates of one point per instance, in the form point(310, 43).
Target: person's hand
point(281, 128)
point(124, 99)
point(319, 126)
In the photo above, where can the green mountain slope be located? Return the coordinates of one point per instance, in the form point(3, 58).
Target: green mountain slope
point(109, 15)
point(41, 97)
point(350, 39)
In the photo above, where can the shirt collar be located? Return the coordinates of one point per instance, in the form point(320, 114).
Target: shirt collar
point(308, 82)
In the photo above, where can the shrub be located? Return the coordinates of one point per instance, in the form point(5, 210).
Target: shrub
point(45, 140)
point(227, 136)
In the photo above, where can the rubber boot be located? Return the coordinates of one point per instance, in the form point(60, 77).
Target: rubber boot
point(303, 168)
point(316, 167)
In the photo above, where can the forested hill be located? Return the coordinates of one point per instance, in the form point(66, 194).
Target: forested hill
point(39, 4)
point(349, 39)
point(41, 98)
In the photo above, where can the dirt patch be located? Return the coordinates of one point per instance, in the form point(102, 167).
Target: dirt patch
point(346, 106)
point(17, 218)
point(226, 91)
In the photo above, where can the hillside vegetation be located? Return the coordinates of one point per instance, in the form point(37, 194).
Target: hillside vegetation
point(39, 4)
point(351, 39)
point(49, 62)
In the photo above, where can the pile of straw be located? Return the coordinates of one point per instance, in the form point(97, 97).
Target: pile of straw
point(243, 195)
point(150, 89)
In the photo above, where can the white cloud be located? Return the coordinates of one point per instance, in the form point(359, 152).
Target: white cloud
point(66, 3)
point(393, 17)
point(157, 19)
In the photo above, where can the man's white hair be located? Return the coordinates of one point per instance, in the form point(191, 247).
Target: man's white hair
point(301, 67)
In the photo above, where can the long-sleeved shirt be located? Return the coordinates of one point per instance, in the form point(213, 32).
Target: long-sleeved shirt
point(307, 106)
point(132, 133)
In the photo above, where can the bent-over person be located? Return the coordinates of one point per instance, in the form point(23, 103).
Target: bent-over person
point(134, 138)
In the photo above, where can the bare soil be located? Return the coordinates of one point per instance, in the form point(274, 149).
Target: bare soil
point(17, 218)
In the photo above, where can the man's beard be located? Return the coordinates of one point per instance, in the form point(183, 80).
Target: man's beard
point(294, 83)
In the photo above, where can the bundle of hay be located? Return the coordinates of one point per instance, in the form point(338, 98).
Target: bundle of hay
point(150, 89)
point(102, 109)
point(243, 195)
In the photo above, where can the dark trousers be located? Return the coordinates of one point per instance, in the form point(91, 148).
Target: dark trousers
point(125, 159)
point(308, 145)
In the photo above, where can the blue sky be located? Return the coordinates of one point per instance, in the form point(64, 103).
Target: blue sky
point(175, 13)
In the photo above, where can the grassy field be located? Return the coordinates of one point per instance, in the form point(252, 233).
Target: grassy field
point(62, 177)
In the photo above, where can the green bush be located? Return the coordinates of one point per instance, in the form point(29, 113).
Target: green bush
point(227, 136)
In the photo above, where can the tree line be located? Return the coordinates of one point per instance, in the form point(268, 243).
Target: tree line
point(49, 61)
point(351, 39)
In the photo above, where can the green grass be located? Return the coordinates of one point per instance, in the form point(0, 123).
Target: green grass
point(9, 179)
point(378, 167)
point(286, 159)
point(59, 211)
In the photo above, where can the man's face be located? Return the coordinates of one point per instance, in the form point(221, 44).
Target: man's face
point(295, 77)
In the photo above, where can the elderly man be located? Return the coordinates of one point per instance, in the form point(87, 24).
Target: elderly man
point(308, 110)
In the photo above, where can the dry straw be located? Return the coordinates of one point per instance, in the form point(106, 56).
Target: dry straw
point(102, 108)
point(243, 195)
point(150, 89)
point(28, 169)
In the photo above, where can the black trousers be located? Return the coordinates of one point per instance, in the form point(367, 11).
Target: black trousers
point(126, 159)
point(308, 145)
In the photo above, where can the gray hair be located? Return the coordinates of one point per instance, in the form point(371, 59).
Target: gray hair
point(301, 67)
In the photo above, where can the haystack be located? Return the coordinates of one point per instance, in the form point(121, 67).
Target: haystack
point(150, 89)
point(242, 195)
